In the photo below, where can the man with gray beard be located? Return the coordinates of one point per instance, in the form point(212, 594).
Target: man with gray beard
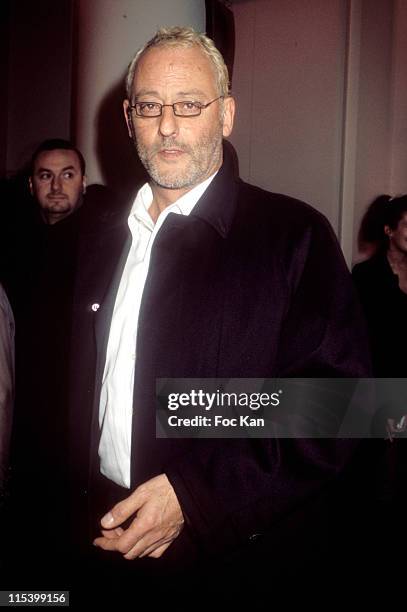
point(218, 279)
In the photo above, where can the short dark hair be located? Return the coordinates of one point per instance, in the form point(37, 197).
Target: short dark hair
point(57, 143)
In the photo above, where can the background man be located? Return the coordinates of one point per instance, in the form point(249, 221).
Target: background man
point(43, 247)
point(40, 227)
point(57, 179)
point(218, 279)
point(50, 227)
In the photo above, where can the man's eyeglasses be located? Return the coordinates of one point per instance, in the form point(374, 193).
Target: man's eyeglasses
point(180, 109)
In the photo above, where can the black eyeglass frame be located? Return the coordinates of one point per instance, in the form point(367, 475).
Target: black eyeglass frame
point(199, 106)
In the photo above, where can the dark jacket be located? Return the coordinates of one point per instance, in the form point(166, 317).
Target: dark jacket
point(250, 284)
point(43, 265)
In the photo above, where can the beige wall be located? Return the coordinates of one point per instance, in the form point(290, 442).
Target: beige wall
point(398, 176)
point(374, 110)
point(289, 87)
point(322, 102)
point(109, 33)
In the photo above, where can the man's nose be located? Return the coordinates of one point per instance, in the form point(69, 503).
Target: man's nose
point(56, 184)
point(168, 122)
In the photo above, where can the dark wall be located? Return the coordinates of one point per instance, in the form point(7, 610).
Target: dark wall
point(39, 75)
point(4, 62)
point(220, 26)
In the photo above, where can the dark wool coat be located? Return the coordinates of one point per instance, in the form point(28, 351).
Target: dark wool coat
point(250, 284)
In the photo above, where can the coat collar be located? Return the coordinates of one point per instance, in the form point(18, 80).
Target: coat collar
point(217, 205)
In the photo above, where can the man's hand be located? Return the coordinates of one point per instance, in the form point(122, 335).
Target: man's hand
point(158, 521)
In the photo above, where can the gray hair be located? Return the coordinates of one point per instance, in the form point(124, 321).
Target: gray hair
point(183, 37)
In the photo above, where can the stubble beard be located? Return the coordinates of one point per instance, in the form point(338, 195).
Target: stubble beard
point(58, 206)
point(203, 159)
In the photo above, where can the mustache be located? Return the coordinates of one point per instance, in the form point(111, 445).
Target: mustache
point(170, 143)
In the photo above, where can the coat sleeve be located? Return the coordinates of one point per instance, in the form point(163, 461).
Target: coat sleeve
point(324, 332)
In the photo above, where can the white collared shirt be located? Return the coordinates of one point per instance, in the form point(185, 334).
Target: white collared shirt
point(116, 399)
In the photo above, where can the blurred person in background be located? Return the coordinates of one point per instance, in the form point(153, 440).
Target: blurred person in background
point(382, 283)
point(6, 386)
point(41, 269)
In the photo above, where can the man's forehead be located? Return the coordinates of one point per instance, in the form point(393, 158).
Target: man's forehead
point(173, 62)
point(57, 158)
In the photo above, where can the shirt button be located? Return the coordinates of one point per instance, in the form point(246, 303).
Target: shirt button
point(95, 307)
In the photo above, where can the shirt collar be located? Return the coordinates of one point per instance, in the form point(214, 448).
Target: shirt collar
point(182, 206)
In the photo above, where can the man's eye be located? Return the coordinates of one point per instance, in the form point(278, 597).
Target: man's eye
point(189, 106)
point(68, 175)
point(149, 106)
point(44, 176)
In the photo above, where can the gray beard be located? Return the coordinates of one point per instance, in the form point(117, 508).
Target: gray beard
point(204, 159)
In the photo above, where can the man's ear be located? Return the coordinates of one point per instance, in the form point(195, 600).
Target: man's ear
point(229, 108)
point(84, 183)
point(30, 184)
point(387, 230)
point(128, 118)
